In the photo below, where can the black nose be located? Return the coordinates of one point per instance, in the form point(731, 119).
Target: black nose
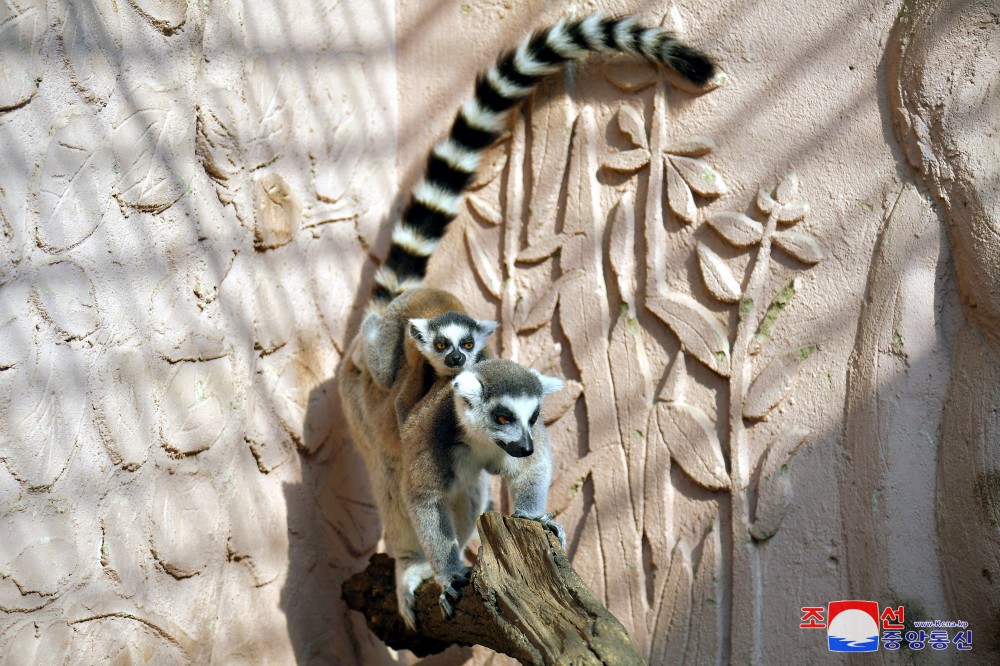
point(522, 449)
point(454, 359)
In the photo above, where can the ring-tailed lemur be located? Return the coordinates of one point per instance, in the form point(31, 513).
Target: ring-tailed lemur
point(427, 437)
point(486, 420)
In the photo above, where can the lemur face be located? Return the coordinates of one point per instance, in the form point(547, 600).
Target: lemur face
point(451, 342)
point(501, 400)
point(510, 420)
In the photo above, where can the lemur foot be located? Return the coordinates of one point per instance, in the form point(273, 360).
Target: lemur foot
point(409, 576)
point(546, 520)
point(451, 589)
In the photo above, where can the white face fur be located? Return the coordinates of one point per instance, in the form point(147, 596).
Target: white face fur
point(451, 342)
point(504, 420)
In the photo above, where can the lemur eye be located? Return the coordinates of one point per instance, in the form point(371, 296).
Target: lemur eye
point(501, 419)
point(440, 346)
point(469, 344)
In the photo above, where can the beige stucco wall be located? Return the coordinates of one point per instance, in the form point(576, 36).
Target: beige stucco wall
point(192, 200)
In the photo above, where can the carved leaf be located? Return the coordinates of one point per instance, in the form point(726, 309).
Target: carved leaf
point(702, 644)
point(627, 161)
point(69, 206)
point(149, 146)
point(273, 314)
point(92, 39)
point(491, 167)
point(700, 333)
point(774, 382)
point(736, 228)
point(800, 245)
point(181, 329)
point(544, 249)
point(196, 405)
point(621, 250)
point(484, 209)
point(717, 275)
point(41, 423)
point(630, 121)
point(692, 146)
point(482, 264)
point(629, 75)
point(690, 435)
point(216, 142)
point(126, 413)
point(271, 113)
point(41, 552)
point(697, 173)
point(774, 487)
point(20, 32)
point(541, 313)
point(788, 189)
point(186, 533)
point(673, 615)
point(793, 212)
point(679, 194)
point(765, 202)
point(774, 310)
point(66, 297)
point(556, 405)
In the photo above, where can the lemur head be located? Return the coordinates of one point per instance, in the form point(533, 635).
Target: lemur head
point(451, 341)
point(501, 400)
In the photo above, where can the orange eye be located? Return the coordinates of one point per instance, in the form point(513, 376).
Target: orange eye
point(468, 345)
point(440, 345)
point(501, 420)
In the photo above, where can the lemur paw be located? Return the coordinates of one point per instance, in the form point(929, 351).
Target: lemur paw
point(451, 589)
point(408, 579)
point(546, 520)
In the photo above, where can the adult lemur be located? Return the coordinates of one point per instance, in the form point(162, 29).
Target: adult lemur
point(430, 417)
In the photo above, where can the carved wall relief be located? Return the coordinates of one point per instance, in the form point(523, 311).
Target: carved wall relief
point(943, 60)
point(570, 233)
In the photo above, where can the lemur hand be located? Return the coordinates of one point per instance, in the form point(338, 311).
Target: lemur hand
point(546, 520)
point(451, 589)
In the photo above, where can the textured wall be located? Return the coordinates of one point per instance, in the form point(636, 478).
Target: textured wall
point(185, 193)
point(753, 299)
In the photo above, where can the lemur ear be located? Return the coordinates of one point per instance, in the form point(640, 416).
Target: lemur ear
point(549, 384)
point(467, 386)
point(418, 330)
point(486, 326)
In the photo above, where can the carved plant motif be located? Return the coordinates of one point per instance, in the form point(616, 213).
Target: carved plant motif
point(634, 431)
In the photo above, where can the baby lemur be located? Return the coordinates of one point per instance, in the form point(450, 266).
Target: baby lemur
point(430, 413)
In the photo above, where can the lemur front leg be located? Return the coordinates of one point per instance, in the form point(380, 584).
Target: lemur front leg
point(436, 530)
point(529, 486)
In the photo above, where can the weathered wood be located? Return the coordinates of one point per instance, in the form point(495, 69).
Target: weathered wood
point(524, 600)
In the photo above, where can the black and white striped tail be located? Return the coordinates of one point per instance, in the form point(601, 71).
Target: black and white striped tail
point(452, 164)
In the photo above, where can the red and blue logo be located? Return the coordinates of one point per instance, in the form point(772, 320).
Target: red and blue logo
point(852, 626)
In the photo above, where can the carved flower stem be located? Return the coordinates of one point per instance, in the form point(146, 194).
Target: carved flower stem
point(511, 230)
point(656, 272)
point(745, 636)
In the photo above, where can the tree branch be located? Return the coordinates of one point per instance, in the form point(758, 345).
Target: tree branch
point(524, 600)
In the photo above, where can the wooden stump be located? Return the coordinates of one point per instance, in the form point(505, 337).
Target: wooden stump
point(524, 600)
